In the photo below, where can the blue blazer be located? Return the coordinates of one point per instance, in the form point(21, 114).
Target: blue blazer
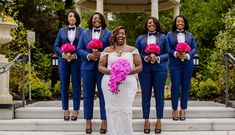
point(161, 41)
point(83, 51)
point(189, 39)
point(62, 38)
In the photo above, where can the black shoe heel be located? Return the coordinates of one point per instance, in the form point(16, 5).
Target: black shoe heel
point(158, 131)
point(146, 131)
point(103, 131)
point(66, 118)
point(88, 131)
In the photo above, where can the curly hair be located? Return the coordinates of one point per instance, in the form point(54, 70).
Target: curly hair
point(113, 40)
point(186, 26)
point(103, 23)
point(157, 23)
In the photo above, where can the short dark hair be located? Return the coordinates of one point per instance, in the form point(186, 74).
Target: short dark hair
point(103, 23)
point(186, 26)
point(157, 23)
point(76, 15)
point(113, 40)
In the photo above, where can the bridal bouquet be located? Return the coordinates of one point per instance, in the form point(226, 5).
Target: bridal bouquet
point(152, 49)
point(95, 44)
point(119, 70)
point(182, 48)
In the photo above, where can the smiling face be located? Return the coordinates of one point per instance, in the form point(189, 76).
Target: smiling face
point(180, 23)
point(96, 21)
point(151, 25)
point(121, 37)
point(71, 19)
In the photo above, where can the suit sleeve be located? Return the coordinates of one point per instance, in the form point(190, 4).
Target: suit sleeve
point(165, 55)
point(58, 44)
point(170, 41)
point(138, 46)
point(193, 50)
point(82, 46)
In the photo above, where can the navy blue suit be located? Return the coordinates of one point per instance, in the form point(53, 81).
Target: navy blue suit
point(153, 75)
point(180, 71)
point(66, 68)
point(90, 74)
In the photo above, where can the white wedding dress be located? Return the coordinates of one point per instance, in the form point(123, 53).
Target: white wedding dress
point(119, 107)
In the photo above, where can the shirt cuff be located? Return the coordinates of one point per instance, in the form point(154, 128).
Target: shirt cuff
point(88, 57)
point(175, 54)
point(63, 55)
point(158, 59)
point(188, 56)
point(145, 58)
point(75, 55)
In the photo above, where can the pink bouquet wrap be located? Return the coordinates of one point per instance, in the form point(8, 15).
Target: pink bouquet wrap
point(119, 71)
point(68, 48)
point(152, 49)
point(95, 44)
point(182, 48)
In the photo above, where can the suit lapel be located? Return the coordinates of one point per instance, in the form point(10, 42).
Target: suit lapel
point(66, 33)
point(145, 39)
point(89, 34)
point(103, 32)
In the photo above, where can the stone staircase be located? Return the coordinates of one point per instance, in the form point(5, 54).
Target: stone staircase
point(45, 118)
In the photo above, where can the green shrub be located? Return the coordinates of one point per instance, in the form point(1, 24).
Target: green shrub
point(208, 90)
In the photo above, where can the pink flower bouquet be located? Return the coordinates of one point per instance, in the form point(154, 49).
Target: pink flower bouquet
point(152, 49)
point(68, 48)
point(182, 48)
point(119, 71)
point(95, 44)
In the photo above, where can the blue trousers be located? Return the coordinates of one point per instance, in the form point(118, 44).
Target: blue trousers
point(91, 78)
point(155, 80)
point(65, 69)
point(180, 80)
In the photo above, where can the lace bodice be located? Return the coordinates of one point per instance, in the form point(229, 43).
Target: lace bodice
point(113, 56)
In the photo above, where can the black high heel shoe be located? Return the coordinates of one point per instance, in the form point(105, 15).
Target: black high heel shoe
point(147, 130)
point(158, 131)
point(175, 115)
point(182, 115)
point(66, 115)
point(103, 131)
point(74, 116)
point(88, 131)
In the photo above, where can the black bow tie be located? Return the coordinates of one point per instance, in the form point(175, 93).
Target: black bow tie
point(152, 34)
point(180, 31)
point(71, 28)
point(96, 30)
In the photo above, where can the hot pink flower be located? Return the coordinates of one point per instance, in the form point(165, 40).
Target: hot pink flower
point(183, 47)
point(152, 48)
point(119, 70)
point(68, 48)
point(95, 44)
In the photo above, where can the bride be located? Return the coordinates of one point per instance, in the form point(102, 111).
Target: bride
point(119, 106)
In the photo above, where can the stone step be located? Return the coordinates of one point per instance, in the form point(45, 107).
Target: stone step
point(59, 125)
point(136, 133)
point(57, 113)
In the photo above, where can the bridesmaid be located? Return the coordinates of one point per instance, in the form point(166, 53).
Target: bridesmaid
point(154, 72)
point(89, 68)
point(180, 65)
point(69, 64)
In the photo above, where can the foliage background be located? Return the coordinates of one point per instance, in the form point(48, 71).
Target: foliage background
point(210, 21)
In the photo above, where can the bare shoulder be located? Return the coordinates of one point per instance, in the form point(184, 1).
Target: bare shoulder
point(108, 49)
point(130, 48)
